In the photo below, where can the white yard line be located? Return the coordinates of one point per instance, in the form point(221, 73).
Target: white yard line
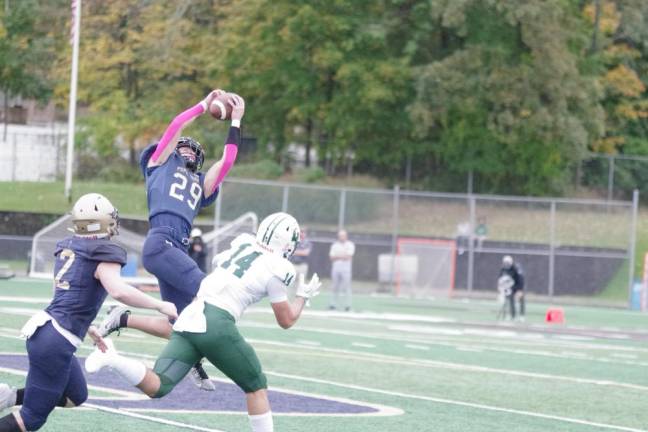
point(381, 410)
point(362, 345)
point(624, 356)
point(460, 403)
point(420, 397)
point(460, 343)
point(417, 347)
point(129, 413)
point(307, 342)
point(386, 359)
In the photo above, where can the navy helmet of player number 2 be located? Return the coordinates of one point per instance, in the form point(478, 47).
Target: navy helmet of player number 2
point(279, 234)
point(93, 215)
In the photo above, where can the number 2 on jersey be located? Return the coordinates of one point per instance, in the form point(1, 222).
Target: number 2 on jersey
point(195, 191)
point(244, 262)
point(68, 255)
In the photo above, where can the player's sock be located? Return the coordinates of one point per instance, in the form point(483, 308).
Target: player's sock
point(123, 319)
point(9, 423)
point(131, 370)
point(262, 422)
point(20, 397)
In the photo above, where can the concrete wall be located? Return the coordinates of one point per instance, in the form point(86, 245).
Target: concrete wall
point(32, 153)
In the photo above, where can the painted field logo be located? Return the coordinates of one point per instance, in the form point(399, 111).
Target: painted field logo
point(188, 398)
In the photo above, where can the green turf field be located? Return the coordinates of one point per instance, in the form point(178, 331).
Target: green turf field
point(444, 365)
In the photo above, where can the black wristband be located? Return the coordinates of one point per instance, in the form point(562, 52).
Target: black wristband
point(234, 136)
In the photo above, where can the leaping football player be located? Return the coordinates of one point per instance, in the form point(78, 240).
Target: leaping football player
point(176, 190)
point(252, 268)
point(87, 268)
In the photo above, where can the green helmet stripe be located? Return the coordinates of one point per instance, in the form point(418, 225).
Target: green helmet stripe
point(265, 234)
point(274, 228)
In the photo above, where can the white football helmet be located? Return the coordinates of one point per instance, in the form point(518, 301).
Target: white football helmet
point(94, 216)
point(507, 261)
point(279, 234)
point(196, 232)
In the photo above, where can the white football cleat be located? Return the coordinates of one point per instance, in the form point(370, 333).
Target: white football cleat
point(111, 322)
point(7, 397)
point(200, 378)
point(97, 360)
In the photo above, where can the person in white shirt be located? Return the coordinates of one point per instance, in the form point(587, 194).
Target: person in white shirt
point(341, 255)
point(251, 269)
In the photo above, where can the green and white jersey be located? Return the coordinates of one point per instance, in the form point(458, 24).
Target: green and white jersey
point(244, 274)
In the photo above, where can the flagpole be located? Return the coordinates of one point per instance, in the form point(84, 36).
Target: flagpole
point(76, 29)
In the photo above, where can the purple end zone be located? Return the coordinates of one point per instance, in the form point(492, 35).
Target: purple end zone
point(186, 396)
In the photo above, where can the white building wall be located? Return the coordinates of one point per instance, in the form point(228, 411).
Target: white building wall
point(32, 153)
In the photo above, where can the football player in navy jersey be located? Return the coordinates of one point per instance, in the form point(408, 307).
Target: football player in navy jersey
point(87, 269)
point(176, 190)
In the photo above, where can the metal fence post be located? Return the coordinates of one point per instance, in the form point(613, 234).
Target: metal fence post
point(633, 244)
point(610, 178)
point(471, 241)
point(395, 225)
point(552, 248)
point(470, 181)
point(342, 209)
point(284, 202)
point(217, 207)
point(14, 153)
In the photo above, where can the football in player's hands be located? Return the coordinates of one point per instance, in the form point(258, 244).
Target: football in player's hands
point(220, 108)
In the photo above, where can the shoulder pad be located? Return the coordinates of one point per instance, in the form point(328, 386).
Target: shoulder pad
point(281, 268)
point(243, 238)
point(106, 251)
point(145, 156)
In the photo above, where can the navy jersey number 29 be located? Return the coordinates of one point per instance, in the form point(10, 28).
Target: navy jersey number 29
point(180, 186)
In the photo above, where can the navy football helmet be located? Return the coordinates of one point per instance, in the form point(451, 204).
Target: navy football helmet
point(197, 163)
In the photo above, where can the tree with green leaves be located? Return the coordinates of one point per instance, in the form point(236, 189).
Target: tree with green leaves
point(139, 63)
point(507, 99)
point(26, 53)
point(318, 73)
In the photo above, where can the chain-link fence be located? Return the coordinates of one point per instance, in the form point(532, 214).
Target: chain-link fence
point(15, 253)
point(567, 247)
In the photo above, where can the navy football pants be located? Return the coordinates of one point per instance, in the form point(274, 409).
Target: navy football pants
point(54, 371)
point(178, 275)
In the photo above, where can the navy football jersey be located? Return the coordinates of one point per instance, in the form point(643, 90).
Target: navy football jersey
point(173, 189)
point(78, 295)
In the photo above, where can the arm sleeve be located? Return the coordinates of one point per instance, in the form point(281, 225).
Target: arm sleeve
point(277, 290)
point(229, 153)
point(144, 158)
point(176, 124)
point(351, 248)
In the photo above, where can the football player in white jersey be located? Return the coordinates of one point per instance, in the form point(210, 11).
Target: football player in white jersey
point(251, 269)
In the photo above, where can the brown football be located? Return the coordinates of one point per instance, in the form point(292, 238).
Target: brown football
point(221, 109)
